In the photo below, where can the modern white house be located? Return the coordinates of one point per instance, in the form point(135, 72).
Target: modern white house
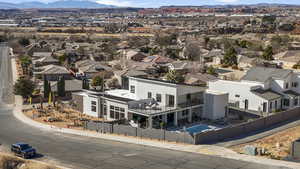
point(262, 89)
point(149, 102)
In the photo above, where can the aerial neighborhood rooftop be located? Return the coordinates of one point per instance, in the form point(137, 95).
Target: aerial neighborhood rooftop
point(220, 76)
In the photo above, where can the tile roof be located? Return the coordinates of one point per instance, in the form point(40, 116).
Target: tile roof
point(262, 74)
point(266, 94)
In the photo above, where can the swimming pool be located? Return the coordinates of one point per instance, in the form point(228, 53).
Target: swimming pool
point(200, 128)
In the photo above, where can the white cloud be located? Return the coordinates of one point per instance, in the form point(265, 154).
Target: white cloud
point(228, 1)
point(115, 3)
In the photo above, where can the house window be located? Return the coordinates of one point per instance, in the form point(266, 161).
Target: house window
point(287, 85)
point(237, 95)
point(264, 107)
point(171, 100)
point(188, 97)
point(158, 97)
point(132, 89)
point(93, 106)
point(276, 104)
point(117, 115)
point(149, 95)
point(271, 105)
point(112, 114)
point(286, 102)
point(122, 109)
point(296, 102)
point(295, 84)
point(122, 115)
point(105, 110)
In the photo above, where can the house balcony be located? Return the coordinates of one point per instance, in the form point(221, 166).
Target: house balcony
point(159, 110)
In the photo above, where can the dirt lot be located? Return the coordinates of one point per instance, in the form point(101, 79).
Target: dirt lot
point(12, 162)
point(277, 146)
point(60, 117)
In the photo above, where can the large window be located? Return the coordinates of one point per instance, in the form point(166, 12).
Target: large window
point(158, 97)
point(149, 95)
point(296, 102)
point(132, 89)
point(286, 102)
point(94, 106)
point(112, 114)
point(117, 112)
point(294, 84)
point(171, 100)
point(287, 85)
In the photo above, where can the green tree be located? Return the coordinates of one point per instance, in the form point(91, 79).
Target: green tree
point(174, 77)
point(192, 51)
point(230, 57)
point(24, 42)
point(24, 87)
point(211, 70)
point(61, 91)
point(172, 53)
point(97, 82)
point(47, 88)
point(25, 61)
point(268, 53)
point(206, 41)
point(62, 58)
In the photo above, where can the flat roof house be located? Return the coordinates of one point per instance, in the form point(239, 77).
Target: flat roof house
point(147, 102)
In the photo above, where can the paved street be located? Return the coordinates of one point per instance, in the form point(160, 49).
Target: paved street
point(91, 153)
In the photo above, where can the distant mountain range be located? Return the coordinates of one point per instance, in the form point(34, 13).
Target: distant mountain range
point(237, 5)
point(56, 4)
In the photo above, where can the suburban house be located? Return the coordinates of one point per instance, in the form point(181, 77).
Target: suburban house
point(198, 78)
point(263, 90)
point(135, 56)
point(38, 55)
point(183, 66)
point(46, 60)
point(246, 62)
point(53, 73)
point(150, 102)
point(89, 68)
point(288, 58)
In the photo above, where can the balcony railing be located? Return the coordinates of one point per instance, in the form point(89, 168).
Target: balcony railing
point(161, 109)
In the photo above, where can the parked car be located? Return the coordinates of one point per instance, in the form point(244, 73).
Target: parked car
point(23, 150)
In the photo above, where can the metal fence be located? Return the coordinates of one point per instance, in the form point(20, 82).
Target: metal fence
point(198, 138)
point(156, 134)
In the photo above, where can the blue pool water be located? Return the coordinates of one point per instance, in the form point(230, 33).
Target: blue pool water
point(199, 128)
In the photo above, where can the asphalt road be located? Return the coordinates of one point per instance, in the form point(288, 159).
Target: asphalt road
point(92, 153)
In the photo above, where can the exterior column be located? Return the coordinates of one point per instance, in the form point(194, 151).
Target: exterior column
point(190, 115)
point(175, 119)
point(150, 123)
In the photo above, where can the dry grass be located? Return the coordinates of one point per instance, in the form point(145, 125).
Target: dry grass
point(12, 162)
point(277, 145)
point(67, 117)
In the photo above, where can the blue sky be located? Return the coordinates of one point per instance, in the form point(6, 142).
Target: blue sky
point(157, 3)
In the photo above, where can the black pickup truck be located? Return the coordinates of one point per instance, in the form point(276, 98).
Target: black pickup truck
point(23, 150)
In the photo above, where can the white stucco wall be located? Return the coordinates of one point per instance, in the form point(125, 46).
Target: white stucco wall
point(239, 92)
point(142, 87)
point(215, 105)
point(87, 105)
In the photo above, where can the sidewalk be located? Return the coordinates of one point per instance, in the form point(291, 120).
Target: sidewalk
point(201, 149)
